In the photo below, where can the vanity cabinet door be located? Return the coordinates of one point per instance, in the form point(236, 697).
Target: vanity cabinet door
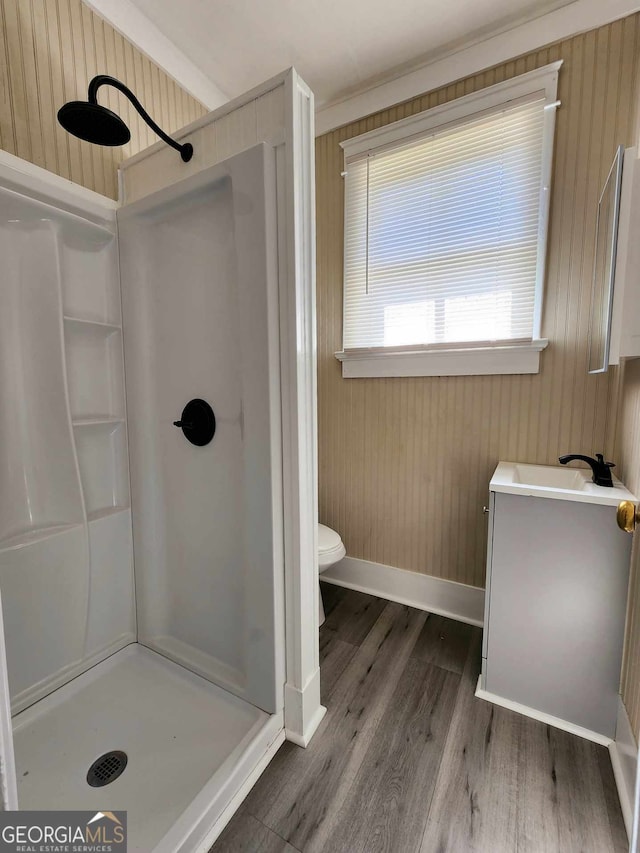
point(558, 586)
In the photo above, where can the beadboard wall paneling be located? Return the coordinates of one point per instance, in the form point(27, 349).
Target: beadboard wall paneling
point(404, 463)
point(255, 117)
point(629, 444)
point(49, 50)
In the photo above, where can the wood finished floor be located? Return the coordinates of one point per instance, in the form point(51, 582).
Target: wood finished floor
point(407, 760)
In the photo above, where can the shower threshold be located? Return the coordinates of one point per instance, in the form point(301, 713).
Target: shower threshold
point(190, 748)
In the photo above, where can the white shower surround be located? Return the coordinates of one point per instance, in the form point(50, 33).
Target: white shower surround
point(187, 740)
point(200, 301)
point(65, 521)
point(282, 114)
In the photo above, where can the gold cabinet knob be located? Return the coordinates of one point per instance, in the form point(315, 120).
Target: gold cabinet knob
point(627, 516)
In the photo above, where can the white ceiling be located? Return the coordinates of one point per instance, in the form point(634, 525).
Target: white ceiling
point(338, 46)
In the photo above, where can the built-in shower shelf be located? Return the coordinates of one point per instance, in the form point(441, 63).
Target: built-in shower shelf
point(94, 369)
point(105, 511)
point(91, 325)
point(34, 534)
point(92, 233)
point(102, 421)
point(37, 210)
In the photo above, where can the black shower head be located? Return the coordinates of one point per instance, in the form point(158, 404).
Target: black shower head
point(93, 123)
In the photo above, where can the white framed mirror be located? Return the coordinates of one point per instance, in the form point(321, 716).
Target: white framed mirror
point(604, 267)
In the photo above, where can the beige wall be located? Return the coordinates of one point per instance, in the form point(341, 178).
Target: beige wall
point(49, 50)
point(405, 463)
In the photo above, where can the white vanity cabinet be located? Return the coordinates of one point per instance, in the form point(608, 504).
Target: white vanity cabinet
point(557, 575)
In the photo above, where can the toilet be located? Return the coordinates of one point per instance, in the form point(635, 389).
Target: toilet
point(330, 551)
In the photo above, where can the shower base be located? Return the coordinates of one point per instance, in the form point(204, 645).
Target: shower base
point(190, 746)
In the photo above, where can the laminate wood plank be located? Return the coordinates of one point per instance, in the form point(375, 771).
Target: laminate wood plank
point(537, 807)
point(383, 767)
point(353, 616)
point(245, 834)
point(335, 656)
point(387, 805)
point(302, 791)
point(474, 806)
point(331, 596)
point(583, 821)
point(508, 782)
point(562, 803)
point(444, 642)
point(566, 793)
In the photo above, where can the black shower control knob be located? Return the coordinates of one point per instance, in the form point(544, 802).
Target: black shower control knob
point(198, 422)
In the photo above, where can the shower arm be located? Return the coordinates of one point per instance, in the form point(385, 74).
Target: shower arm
point(186, 150)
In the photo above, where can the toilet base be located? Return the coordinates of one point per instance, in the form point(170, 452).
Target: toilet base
point(330, 551)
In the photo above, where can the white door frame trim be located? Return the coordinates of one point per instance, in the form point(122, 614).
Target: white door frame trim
point(302, 708)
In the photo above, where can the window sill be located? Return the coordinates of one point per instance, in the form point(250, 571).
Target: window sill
point(467, 361)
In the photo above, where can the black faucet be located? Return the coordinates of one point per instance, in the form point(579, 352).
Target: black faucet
point(601, 469)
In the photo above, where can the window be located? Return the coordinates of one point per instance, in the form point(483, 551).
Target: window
point(445, 235)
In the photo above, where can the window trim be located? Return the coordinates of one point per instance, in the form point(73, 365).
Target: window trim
point(509, 358)
point(506, 357)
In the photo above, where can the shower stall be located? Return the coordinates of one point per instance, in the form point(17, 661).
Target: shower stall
point(152, 633)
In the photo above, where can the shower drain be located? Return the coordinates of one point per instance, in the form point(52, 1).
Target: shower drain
point(107, 768)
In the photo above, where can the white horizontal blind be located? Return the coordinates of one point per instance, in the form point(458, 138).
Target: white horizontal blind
point(441, 234)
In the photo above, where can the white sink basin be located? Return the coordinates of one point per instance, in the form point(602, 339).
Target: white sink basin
point(556, 482)
point(551, 478)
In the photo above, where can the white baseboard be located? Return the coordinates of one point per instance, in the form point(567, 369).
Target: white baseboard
point(443, 597)
point(303, 711)
point(624, 760)
point(549, 719)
